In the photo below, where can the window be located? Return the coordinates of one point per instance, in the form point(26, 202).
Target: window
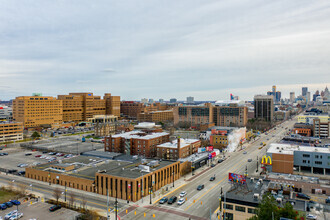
point(318, 162)
point(228, 206)
point(240, 208)
point(252, 211)
point(304, 161)
point(316, 156)
point(306, 155)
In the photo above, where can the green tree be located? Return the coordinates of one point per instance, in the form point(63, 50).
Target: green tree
point(35, 135)
point(268, 209)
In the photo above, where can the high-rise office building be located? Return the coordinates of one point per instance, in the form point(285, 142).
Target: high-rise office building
point(264, 107)
point(35, 111)
point(276, 94)
point(81, 106)
point(144, 101)
point(151, 101)
point(292, 97)
point(304, 91)
point(161, 100)
point(190, 100)
point(308, 97)
point(173, 100)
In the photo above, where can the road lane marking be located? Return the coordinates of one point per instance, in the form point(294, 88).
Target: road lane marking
point(169, 193)
point(212, 187)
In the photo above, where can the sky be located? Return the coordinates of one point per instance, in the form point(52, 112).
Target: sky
point(163, 48)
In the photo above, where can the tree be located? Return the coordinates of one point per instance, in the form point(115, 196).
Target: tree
point(57, 194)
point(72, 198)
point(268, 209)
point(35, 135)
point(22, 189)
point(83, 202)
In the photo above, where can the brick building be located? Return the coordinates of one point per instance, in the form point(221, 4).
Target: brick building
point(156, 116)
point(132, 109)
point(177, 149)
point(11, 131)
point(135, 143)
point(231, 113)
point(123, 179)
point(104, 125)
point(35, 111)
point(81, 106)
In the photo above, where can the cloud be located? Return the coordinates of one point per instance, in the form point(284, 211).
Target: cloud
point(162, 49)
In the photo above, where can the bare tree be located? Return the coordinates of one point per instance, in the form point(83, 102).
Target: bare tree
point(83, 202)
point(22, 188)
point(57, 194)
point(72, 198)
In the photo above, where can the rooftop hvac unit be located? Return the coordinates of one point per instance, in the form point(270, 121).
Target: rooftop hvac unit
point(154, 163)
point(144, 168)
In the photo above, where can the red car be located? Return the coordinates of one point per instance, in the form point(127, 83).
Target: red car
point(38, 155)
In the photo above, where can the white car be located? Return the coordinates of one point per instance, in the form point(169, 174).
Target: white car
point(311, 217)
point(181, 201)
point(43, 157)
point(183, 193)
point(10, 214)
point(16, 216)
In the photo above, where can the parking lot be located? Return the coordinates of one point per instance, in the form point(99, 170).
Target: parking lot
point(65, 144)
point(18, 156)
point(40, 210)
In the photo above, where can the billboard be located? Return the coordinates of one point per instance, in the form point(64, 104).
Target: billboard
point(201, 149)
point(236, 178)
point(209, 148)
point(266, 160)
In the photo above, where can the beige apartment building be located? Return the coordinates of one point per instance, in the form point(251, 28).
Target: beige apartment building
point(36, 111)
point(156, 116)
point(11, 131)
point(104, 124)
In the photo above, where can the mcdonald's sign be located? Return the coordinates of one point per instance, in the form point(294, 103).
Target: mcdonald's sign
point(266, 160)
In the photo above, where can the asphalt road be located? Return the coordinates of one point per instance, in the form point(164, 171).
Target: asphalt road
point(202, 204)
point(92, 200)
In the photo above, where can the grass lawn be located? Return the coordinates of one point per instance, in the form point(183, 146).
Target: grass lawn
point(6, 196)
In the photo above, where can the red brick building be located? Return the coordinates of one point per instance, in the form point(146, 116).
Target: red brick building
point(135, 143)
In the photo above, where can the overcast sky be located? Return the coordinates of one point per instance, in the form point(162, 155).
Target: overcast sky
point(163, 49)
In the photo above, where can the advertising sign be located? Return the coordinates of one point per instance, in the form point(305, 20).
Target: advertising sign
point(213, 154)
point(209, 148)
point(266, 160)
point(236, 178)
point(201, 149)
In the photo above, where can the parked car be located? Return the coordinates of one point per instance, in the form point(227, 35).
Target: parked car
point(244, 152)
point(28, 154)
point(3, 206)
point(212, 165)
point(52, 153)
point(10, 214)
point(220, 160)
point(181, 201)
point(311, 217)
point(327, 200)
point(16, 216)
point(15, 202)
point(12, 171)
point(37, 155)
point(183, 194)
point(45, 152)
point(172, 200)
point(212, 178)
point(22, 173)
point(303, 196)
point(200, 187)
point(249, 160)
point(54, 208)
point(9, 204)
point(163, 200)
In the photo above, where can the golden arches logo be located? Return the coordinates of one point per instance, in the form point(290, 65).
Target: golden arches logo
point(266, 160)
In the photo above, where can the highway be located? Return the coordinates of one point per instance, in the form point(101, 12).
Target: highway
point(201, 204)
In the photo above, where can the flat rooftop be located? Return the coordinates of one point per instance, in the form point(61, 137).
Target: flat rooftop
point(86, 167)
point(289, 149)
point(174, 144)
point(137, 134)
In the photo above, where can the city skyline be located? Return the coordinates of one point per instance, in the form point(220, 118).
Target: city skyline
point(163, 50)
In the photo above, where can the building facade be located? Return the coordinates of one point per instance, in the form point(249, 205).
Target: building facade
point(122, 179)
point(264, 107)
point(321, 129)
point(156, 116)
point(35, 111)
point(177, 149)
point(11, 131)
point(104, 125)
point(135, 143)
point(6, 113)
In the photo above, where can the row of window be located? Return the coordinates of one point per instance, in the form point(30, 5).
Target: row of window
point(239, 208)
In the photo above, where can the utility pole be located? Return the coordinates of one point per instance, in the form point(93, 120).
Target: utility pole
point(116, 206)
point(150, 191)
point(257, 164)
point(108, 214)
point(173, 179)
point(220, 201)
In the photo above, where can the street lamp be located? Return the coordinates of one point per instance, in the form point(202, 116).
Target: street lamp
point(150, 191)
point(257, 164)
point(65, 192)
point(173, 179)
